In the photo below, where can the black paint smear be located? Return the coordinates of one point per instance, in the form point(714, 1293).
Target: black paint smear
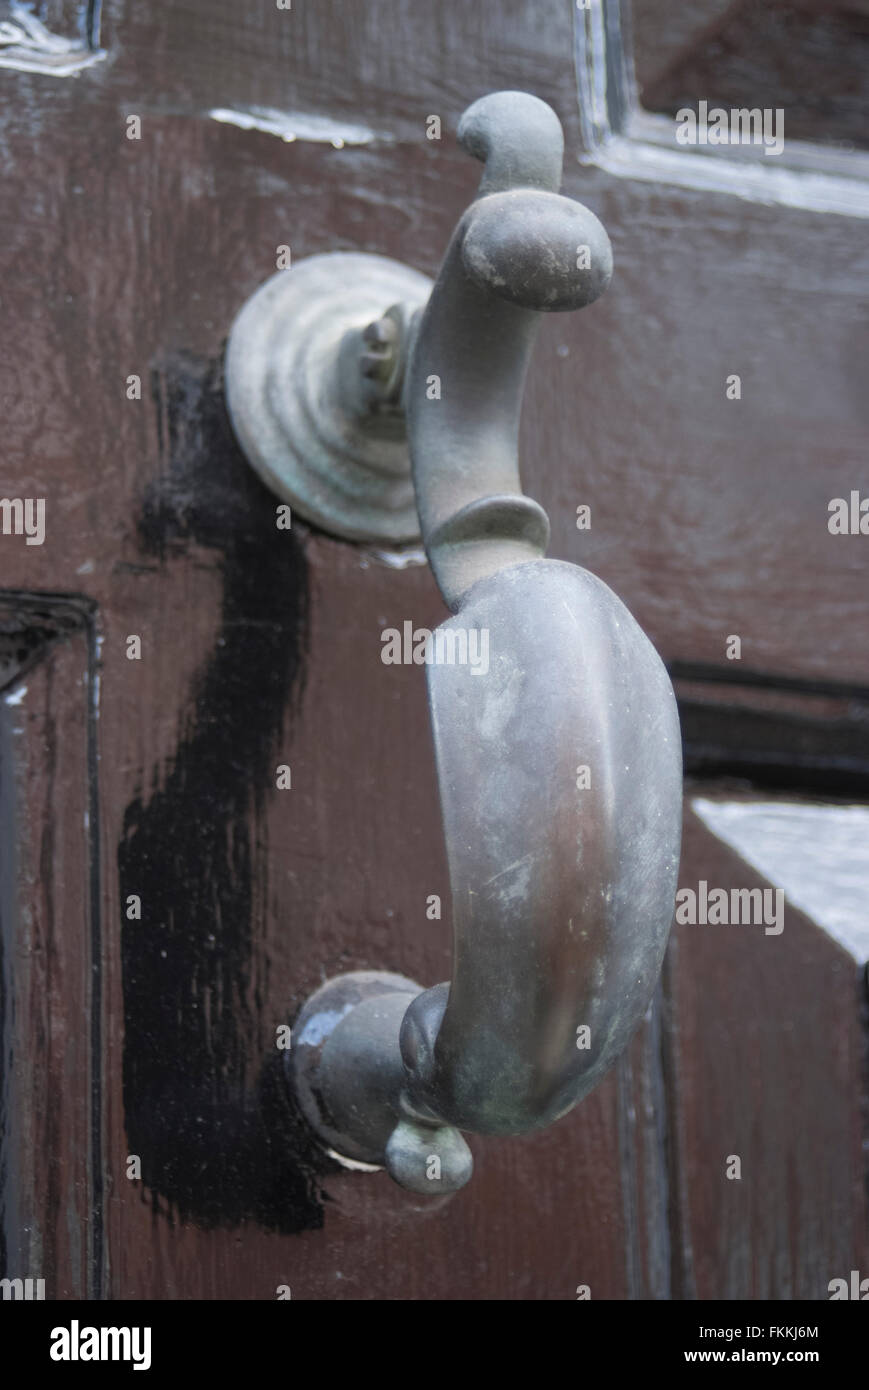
point(218, 1145)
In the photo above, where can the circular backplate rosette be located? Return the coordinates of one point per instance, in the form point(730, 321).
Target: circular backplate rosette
point(348, 475)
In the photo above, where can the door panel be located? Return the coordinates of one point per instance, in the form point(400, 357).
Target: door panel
point(50, 943)
point(767, 1059)
point(130, 258)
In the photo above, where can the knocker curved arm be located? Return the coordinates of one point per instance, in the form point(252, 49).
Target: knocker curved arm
point(559, 754)
point(560, 768)
point(560, 783)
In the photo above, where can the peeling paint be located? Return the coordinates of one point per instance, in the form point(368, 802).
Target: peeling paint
point(28, 46)
point(404, 559)
point(299, 125)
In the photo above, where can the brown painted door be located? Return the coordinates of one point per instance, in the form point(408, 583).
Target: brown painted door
point(164, 906)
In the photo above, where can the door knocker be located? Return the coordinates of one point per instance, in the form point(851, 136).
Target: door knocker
point(383, 407)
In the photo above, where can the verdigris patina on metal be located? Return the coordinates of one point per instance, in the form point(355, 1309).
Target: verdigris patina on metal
point(559, 765)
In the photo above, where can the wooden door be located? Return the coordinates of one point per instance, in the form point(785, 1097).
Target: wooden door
point(165, 906)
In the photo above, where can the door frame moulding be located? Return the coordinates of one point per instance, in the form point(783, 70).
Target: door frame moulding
point(32, 625)
point(629, 143)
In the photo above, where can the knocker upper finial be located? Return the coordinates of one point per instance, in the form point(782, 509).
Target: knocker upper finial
point(519, 250)
point(562, 886)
